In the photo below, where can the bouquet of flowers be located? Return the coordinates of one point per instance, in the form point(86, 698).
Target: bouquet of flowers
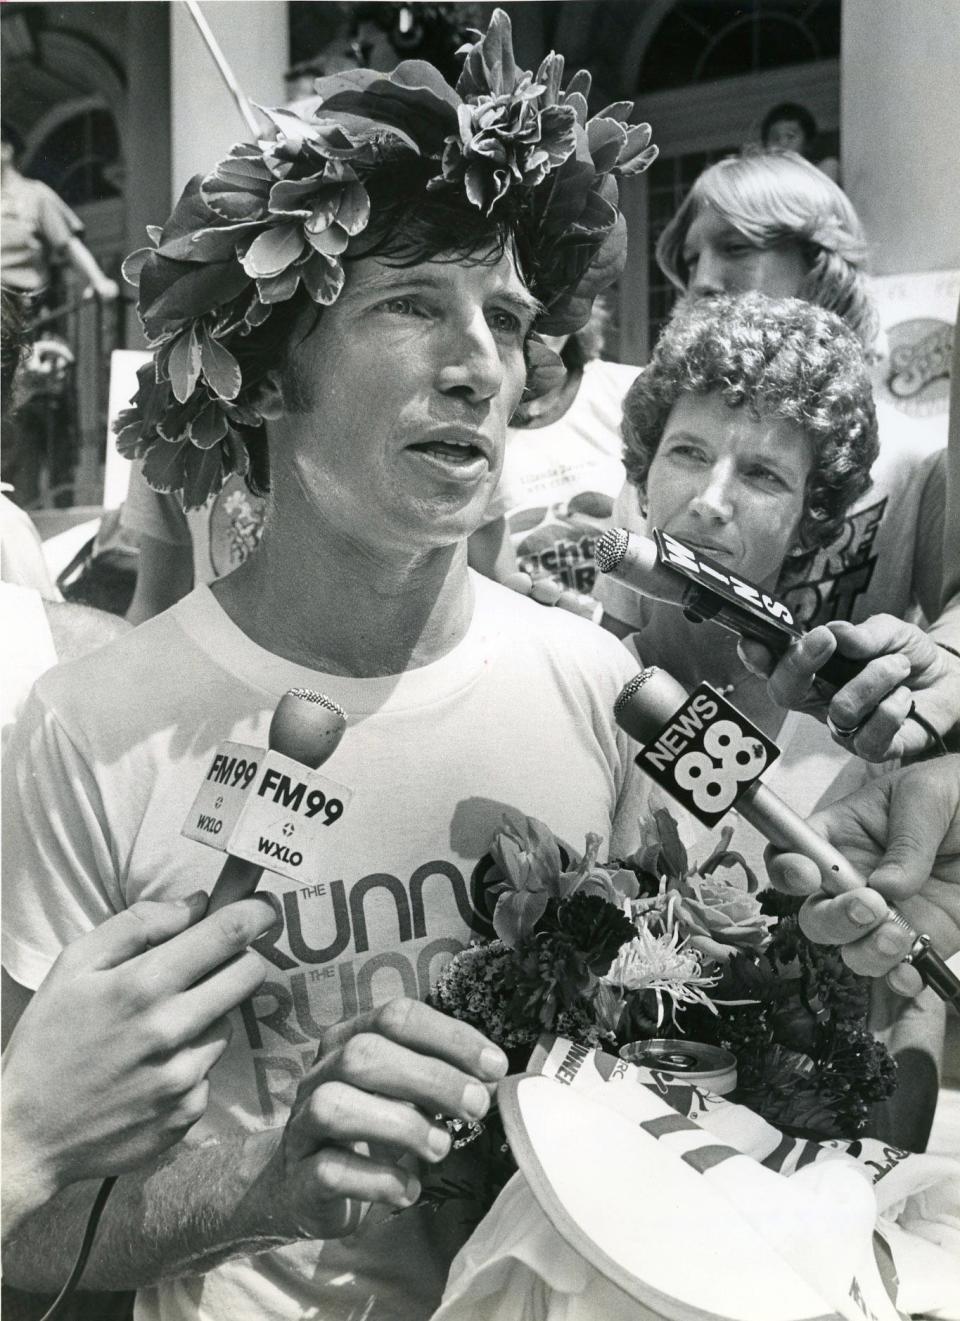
point(609, 953)
point(648, 946)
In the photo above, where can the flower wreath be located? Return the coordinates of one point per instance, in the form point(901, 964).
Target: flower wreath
point(278, 215)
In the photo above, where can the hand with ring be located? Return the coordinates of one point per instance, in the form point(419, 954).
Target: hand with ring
point(366, 1113)
point(905, 672)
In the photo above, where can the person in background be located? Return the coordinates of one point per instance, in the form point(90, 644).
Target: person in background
point(37, 626)
point(21, 550)
point(39, 229)
point(748, 436)
point(791, 127)
point(38, 234)
point(561, 471)
point(772, 222)
point(181, 549)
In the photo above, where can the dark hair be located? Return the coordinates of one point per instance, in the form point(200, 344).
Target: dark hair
point(13, 343)
point(797, 114)
point(409, 224)
point(780, 358)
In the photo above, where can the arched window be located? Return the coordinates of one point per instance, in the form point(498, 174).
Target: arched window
point(680, 73)
point(79, 157)
point(703, 40)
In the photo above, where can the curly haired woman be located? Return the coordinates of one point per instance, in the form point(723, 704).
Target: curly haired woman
point(748, 436)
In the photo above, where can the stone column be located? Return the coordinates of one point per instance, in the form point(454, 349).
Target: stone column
point(146, 135)
point(204, 119)
point(900, 126)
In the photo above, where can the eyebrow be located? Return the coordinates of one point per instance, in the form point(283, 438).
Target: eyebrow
point(393, 277)
point(523, 303)
point(783, 467)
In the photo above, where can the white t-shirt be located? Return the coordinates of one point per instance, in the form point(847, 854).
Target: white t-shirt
point(559, 481)
point(107, 759)
point(870, 566)
point(28, 649)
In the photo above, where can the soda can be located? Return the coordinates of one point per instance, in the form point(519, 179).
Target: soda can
point(709, 1067)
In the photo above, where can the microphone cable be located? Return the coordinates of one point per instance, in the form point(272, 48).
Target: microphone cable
point(56, 1308)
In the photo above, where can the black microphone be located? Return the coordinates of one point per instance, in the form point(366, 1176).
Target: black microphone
point(306, 727)
point(665, 568)
point(709, 757)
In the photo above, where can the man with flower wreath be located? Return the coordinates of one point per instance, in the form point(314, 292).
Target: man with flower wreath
point(344, 314)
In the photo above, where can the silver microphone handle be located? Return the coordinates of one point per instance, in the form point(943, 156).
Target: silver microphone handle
point(780, 825)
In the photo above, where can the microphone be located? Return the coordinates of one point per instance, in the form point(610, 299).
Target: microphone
point(709, 757)
point(665, 568)
point(306, 728)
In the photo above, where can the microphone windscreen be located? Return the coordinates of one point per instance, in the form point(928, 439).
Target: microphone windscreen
point(611, 548)
point(306, 726)
point(647, 701)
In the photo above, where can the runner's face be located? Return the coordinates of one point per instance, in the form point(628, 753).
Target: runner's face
point(719, 259)
point(397, 402)
point(730, 485)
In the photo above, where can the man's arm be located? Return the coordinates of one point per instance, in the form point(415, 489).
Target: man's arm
point(164, 575)
point(184, 1216)
point(365, 1109)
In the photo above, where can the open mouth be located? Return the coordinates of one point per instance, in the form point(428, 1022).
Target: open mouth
point(450, 451)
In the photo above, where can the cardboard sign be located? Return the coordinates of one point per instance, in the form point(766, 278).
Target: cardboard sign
point(287, 819)
point(268, 809)
point(218, 805)
point(707, 755)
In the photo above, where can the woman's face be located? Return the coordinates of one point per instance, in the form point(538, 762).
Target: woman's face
point(730, 485)
point(721, 260)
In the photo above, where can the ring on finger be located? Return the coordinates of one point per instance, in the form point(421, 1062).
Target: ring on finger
point(843, 732)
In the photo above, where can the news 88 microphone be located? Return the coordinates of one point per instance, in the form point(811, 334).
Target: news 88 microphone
point(709, 757)
point(269, 811)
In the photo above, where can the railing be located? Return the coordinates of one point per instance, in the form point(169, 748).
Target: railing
point(58, 433)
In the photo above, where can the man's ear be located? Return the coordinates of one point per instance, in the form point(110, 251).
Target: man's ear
point(269, 398)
